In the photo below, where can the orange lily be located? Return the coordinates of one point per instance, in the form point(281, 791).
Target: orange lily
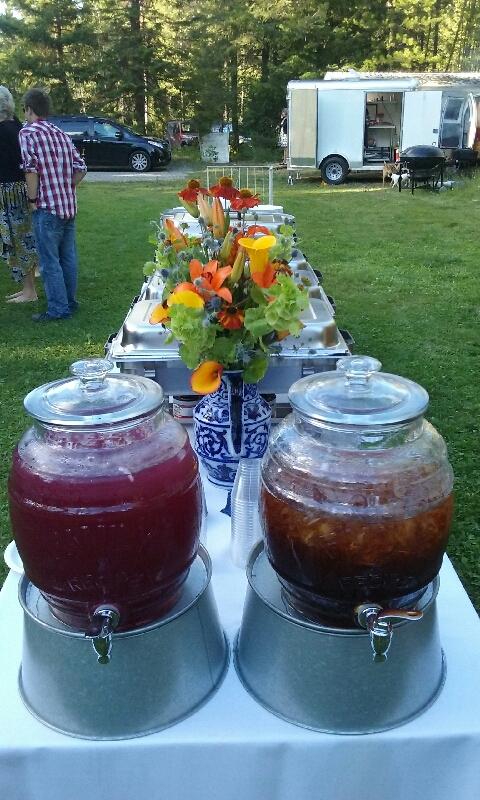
point(218, 219)
point(207, 377)
point(265, 278)
point(209, 279)
point(258, 251)
point(178, 240)
point(226, 249)
point(237, 269)
point(235, 248)
point(159, 314)
point(231, 318)
point(245, 199)
point(205, 209)
point(185, 287)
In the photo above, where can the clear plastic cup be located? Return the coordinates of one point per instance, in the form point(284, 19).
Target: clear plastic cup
point(246, 530)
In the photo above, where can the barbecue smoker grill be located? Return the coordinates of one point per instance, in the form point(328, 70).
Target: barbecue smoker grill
point(425, 165)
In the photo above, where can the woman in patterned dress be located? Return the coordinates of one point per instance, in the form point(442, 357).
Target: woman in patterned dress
point(17, 243)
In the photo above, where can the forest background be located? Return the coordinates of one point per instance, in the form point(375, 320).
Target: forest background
point(146, 61)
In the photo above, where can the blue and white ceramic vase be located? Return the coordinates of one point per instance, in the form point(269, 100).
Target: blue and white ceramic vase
point(231, 423)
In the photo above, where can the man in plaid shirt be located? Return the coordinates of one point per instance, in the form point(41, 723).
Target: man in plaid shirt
point(53, 168)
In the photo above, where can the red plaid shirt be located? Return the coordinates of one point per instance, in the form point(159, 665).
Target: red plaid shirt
point(50, 153)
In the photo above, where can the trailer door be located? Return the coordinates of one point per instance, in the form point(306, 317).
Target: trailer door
point(469, 122)
point(421, 118)
point(341, 125)
point(302, 127)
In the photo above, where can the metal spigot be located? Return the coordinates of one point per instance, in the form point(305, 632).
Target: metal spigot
point(107, 619)
point(378, 622)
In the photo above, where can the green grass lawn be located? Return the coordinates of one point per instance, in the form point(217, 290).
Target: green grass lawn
point(404, 272)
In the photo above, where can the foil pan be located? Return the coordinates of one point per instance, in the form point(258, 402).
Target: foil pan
point(143, 349)
point(270, 216)
point(303, 274)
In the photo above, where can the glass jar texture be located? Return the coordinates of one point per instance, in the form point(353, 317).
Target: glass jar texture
point(107, 515)
point(354, 514)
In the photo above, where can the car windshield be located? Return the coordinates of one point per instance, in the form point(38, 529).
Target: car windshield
point(130, 130)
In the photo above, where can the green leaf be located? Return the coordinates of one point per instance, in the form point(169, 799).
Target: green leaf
point(295, 327)
point(187, 326)
point(224, 350)
point(256, 323)
point(287, 305)
point(149, 267)
point(257, 295)
point(256, 369)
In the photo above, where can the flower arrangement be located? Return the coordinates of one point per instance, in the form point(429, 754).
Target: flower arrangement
point(229, 296)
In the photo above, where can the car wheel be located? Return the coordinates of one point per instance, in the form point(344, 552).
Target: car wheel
point(140, 161)
point(334, 170)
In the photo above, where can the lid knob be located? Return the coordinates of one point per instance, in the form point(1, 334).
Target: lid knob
point(91, 372)
point(358, 370)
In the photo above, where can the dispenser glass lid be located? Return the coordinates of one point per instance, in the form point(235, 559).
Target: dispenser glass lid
point(93, 397)
point(357, 393)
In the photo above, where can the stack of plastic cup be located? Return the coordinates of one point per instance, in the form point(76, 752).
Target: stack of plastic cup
point(246, 530)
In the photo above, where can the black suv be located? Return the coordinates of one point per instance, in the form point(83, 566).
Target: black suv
point(104, 143)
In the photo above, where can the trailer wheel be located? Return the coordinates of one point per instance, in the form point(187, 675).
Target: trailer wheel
point(334, 170)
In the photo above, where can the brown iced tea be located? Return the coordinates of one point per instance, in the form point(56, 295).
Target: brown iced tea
point(353, 557)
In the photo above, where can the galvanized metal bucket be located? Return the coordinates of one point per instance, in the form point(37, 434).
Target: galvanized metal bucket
point(326, 678)
point(157, 675)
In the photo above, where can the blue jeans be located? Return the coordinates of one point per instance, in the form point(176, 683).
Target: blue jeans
point(57, 251)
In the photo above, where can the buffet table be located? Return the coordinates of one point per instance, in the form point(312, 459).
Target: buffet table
point(232, 748)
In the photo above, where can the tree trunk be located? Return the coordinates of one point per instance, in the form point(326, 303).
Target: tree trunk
point(139, 97)
point(265, 62)
point(234, 95)
point(436, 27)
point(457, 34)
point(65, 96)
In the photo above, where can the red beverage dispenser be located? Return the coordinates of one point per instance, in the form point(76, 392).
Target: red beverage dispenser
point(105, 497)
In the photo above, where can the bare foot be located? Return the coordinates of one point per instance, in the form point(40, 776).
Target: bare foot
point(23, 298)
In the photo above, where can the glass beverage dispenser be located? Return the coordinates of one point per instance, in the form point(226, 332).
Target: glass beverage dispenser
point(105, 497)
point(356, 497)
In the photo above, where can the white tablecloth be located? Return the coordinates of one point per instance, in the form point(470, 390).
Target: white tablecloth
point(233, 749)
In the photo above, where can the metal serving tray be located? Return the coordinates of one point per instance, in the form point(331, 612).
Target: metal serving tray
point(303, 273)
point(272, 217)
point(141, 348)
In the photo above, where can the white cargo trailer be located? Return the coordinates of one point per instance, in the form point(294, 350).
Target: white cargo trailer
point(353, 122)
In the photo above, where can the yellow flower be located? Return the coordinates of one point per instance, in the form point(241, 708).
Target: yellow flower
point(186, 298)
point(159, 314)
point(258, 251)
point(207, 377)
